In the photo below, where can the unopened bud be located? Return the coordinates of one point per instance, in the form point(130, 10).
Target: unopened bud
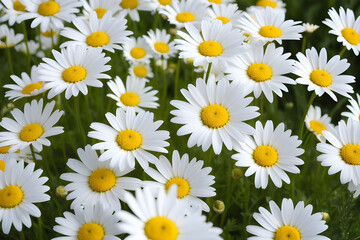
point(173, 31)
point(189, 60)
point(325, 216)
point(289, 105)
point(219, 206)
point(164, 16)
point(61, 192)
point(237, 173)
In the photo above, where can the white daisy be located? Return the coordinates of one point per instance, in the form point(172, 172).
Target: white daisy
point(106, 33)
point(131, 7)
point(310, 28)
point(31, 127)
point(129, 137)
point(354, 108)
point(217, 2)
point(32, 45)
point(101, 7)
point(49, 38)
point(136, 49)
point(8, 38)
point(20, 189)
point(321, 75)
point(345, 27)
point(24, 155)
point(12, 10)
point(214, 114)
point(160, 4)
point(289, 222)
point(262, 69)
point(75, 68)
point(316, 122)
point(159, 42)
point(354, 188)
point(135, 95)
point(262, 4)
point(269, 152)
point(141, 70)
point(225, 13)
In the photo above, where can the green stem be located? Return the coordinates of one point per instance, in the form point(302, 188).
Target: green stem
point(208, 72)
point(163, 75)
point(22, 235)
point(262, 110)
point(40, 230)
point(8, 53)
point(28, 65)
point(303, 47)
point(343, 50)
point(304, 116)
point(156, 20)
point(33, 152)
point(177, 74)
point(78, 119)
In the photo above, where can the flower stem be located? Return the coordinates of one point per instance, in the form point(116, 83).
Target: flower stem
point(343, 50)
point(28, 63)
point(78, 119)
point(32, 152)
point(303, 118)
point(303, 47)
point(208, 72)
point(8, 53)
point(21, 234)
point(177, 74)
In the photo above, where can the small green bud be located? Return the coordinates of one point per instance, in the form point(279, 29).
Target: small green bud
point(237, 173)
point(219, 206)
point(325, 216)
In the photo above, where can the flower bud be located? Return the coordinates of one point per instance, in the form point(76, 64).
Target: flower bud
point(325, 216)
point(219, 206)
point(61, 192)
point(237, 173)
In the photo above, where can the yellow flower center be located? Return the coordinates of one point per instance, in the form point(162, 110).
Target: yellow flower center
point(4, 150)
point(130, 99)
point(185, 17)
point(287, 233)
point(224, 20)
point(210, 49)
point(2, 165)
point(350, 153)
point(97, 39)
point(321, 78)
point(11, 196)
point(259, 72)
point(138, 52)
point(140, 71)
point(18, 6)
point(216, 1)
point(91, 231)
point(351, 36)
point(49, 33)
point(131, 4)
point(214, 116)
point(31, 132)
point(270, 32)
point(100, 12)
point(317, 126)
point(49, 8)
point(164, 2)
point(161, 47)
point(129, 140)
point(266, 3)
point(183, 186)
point(161, 228)
point(31, 87)
point(74, 74)
point(265, 156)
point(102, 180)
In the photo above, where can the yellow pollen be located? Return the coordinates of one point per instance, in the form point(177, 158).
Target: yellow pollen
point(28, 89)
point(224, 20)
point(210, 49)
point(259, 72)
point(266, 3)
point(351, 36)
point(49, 33)
point(91, 231)
point(129, 140)
point(161, 47)
point(74, 74)
point(183, 186)
point(321, 78)
point(140, 71)
point(2, 165)
point(270, 32)
point(216, 1)
point(97, 39)
point(287, 233)
point(130, 99)
point(359, 116)
point(100, 12)
point(11, 196)
point(317, 126)
point(161, 228)
point(131, 4)
point(185, 17)
point(350, 153)
point(102, 180)
point(4, 149)
point(265, 156)
point(214, 116)
point(49, 8)
point(138, 52)
point(164, 2)
point(31, 132)
point(18, 6)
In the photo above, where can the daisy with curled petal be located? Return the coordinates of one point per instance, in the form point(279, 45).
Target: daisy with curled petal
point(74, 68)
point(131, 7)
point(160, 44)
point(317, 123)
point(96, 182)
point(218, 43)
point(214, 114)
point(310, 28)
point(225, 13)
point(11, 11)
point(289, 222)
point(141, 70)
point(88, 223)
point(20, 189)
point(136, 49)
point(262, 69)
point(269, 152)
point(321, 75)
point(106, 33)
point(192, 180)
point(129, 137)
point(101, 7)
point(354, 108)
point(8, 38)
point(345, 27)
point(31, 127)
point(354, 188)
point(135, 95)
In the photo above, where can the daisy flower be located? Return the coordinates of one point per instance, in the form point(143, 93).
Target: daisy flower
point(262, 4)
point(316, 122)
point(32, 45)
point(13, 9)
point(218, 43)
point(24, 155)
point(192, 180)
point(160, 44)
point(141, 70)
point(49, 12)
point(49, 38)
point(106, 33)
point(160, 4)
point(90, 222)
point(129, 137)
point(8, 38)
point(31, 127)
point(345, 27)
point(269, 152)
point(131, 7)
point(225, 13)
point(289, 222)
point(270, 25)
point(135, 95)
point(323, 76)
point(342, 153)
point(218, 2)
point(20, 189)
point(101, 7)
point(214, 114)
point(354, 108)
point(310, 28)
point(74, 68)
point(136, 49)
point(262, 69)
